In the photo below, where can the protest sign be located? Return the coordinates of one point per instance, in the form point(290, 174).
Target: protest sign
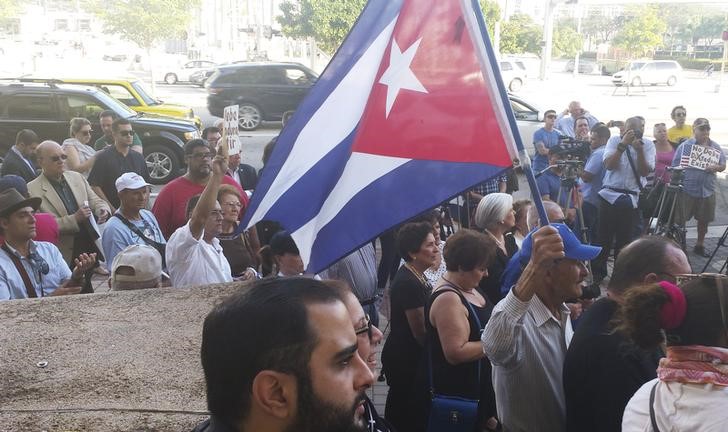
point(700, 157)
point(230, 123)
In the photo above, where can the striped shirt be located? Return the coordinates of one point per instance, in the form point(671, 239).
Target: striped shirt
point(359, 270)
point(527, 346)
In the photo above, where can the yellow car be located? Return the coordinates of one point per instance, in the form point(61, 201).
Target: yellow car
point(131, 92)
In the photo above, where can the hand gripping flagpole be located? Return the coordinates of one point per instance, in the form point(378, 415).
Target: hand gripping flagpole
point(486, 55)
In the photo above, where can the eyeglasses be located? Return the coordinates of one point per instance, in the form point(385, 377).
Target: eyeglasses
point(216, 213)
point(126, 133)
point(58, 158)
point(551, 116)
point(367, 327)
point(86, 132)
point(232, 204)
point(704, 128)
point(207, 155)
point(680, 114)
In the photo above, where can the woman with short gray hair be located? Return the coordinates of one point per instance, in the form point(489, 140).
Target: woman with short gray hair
point(81, 155)
point(495, 217)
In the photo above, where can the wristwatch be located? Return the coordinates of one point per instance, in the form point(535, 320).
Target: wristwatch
point(621, 146)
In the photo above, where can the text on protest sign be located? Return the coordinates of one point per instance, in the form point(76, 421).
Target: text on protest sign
point(230, 123)
point(700, 157)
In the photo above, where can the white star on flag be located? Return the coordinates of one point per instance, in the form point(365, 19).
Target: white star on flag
point(399, 75)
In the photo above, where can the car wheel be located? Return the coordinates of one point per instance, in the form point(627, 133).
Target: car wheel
point(636, 81)
point(515, 84)
point(162, 164)
point(170, 78)
point(672, 81)
point(249, 117)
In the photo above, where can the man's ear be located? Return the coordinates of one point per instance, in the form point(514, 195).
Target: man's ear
point(651, 278)
point(275, 394)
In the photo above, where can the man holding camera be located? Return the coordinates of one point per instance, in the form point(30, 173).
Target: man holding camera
point(628, 159)
point(702, 158)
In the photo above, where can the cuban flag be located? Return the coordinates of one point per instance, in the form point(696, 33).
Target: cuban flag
point(410, 112)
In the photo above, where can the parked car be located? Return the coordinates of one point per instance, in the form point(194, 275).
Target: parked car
point(132, 93)
point(529, 119)
point(47, 109)
point(652, 72)
point(184, 73)
point(586, 66)
point(513, 73)
point(201, 77)
point(263, 91)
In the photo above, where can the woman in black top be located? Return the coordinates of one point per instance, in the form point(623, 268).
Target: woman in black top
point(238, 249)
point(495, 216)
point(402, 351)
point(459, 366)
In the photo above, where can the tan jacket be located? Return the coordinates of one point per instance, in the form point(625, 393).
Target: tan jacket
point(52, 203)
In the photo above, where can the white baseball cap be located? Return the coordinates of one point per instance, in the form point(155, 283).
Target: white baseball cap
point(130, 180)
point(141, 263)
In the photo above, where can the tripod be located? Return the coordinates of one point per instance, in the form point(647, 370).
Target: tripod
point(662, 222)
point(721, 242)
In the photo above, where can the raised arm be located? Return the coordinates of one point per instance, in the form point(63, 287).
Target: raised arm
point(207, 201)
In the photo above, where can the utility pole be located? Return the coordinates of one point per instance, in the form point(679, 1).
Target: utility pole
point(579, 12)
point(548, 34)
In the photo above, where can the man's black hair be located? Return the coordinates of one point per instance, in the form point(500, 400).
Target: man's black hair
point(118, 122)
point(193, 144)
point(602, 131)
point(263, 328)
point(107, 113)
point(26, 137)
point(210, 129)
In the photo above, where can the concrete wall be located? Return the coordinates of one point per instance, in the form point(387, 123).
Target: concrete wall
point(119, 361)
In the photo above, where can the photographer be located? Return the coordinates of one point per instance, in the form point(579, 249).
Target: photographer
point(592, 177)
point(628, 159)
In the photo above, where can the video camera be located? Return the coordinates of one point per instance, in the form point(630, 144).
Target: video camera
point(570, 149)
point(677, 175)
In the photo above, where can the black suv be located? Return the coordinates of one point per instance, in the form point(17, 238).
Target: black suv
point(263, 91)
point(47, 108)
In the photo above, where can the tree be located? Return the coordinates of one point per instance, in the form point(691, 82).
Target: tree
point(642, 30)
point(328, 22)
point(11, 9)
point(520, 35)
point(599, 28)
point(709, 28)
point(566, 42)
point(491, 13)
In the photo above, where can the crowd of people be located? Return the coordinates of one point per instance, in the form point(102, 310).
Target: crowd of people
point(493, 321)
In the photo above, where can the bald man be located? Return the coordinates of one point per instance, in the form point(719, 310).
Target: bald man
point(566, 122)
point(67, 196)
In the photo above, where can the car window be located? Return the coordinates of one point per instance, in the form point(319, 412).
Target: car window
point(523, 112)
point(666, 66)
point(121, 93)
point(505, 66)
point(206, 64)
point(297, 77)
point(29, 106)
point(229, 78)
point(251, 75)
point(189, 65)
point(143, 93)
point(81, 106)
point(521, 65)
point(649, 67)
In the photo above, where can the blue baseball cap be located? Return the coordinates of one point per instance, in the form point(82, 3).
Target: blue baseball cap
point(573, 247)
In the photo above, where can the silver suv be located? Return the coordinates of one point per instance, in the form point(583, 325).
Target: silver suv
point(652, 72)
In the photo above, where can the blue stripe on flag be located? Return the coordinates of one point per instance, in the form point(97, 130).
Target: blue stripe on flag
point(401, 194)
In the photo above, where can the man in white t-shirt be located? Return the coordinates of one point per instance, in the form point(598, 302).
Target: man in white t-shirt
point(194, 255)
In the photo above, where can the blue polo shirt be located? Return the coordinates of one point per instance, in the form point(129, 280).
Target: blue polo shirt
point(595, 166)
point(549, 139)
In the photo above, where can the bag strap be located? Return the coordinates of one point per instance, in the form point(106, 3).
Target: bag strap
point(135, 229)
point(428, 328)
point(29, 288)
point(634, 169)
point(653, 420)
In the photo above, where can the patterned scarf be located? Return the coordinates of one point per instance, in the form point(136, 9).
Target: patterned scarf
point(695, 364)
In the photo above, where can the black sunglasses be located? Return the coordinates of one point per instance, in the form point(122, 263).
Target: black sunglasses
point(680, 114)
point(58, 158)
point(126, 133)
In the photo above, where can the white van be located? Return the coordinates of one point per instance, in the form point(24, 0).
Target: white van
point(648, 72)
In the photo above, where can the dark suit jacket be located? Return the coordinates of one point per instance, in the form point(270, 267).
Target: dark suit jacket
point(14, 164)
point(248, 176)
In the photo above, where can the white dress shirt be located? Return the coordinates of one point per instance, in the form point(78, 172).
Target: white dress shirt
point(527, 346)
point(622, 177)
point(193, 262)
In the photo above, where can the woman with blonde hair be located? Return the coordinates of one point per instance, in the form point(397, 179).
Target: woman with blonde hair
point(691, 389)
point(496, 218)
point(81, 155)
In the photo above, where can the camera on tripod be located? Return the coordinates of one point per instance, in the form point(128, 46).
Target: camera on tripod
point(677, 175)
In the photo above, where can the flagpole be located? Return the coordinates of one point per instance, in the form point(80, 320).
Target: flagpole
point(489, 59)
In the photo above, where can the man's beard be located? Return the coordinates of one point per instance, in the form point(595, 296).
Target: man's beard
point(317, 415)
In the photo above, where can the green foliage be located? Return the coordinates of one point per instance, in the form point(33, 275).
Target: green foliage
point(709, 28)
point(145, 22)
point(642, 30)
point(566, 42)
point(328, 22)
point(520, 34)
point(491, 13)
point(11, 9)
point(600, 28)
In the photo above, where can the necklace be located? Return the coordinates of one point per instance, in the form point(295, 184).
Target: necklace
point(465, 291)
point(420, 276)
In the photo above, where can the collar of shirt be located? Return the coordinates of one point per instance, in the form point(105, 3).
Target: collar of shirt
point(541, 314)
point(27, 162)
point(31, 249)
